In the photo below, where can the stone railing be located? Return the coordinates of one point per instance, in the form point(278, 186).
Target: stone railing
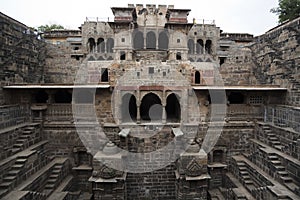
point(12, 115)
point(60, 112)
point(283, 116)
point(242, 112)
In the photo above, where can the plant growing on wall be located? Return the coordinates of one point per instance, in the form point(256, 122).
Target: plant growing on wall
point(50, 27)
point(287, 10)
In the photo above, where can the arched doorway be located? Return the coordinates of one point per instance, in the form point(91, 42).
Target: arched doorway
point(91, 44)
point(104, 75)
point(191, 46)
point(101, 45)
point(197, 77)
point(128, 107)
point(138, 40)
point(208, 45)
point(151, 40)
point(110, 45)
point(151, 108)
point(163, 41)
point(199, 46)
point(62, 96)
point(173, 109)
point(236, 98)
point(218, 156)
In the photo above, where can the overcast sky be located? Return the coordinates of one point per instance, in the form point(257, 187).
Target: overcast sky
point(239, 16)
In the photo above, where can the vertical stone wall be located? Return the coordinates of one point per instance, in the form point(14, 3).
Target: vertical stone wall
point(276, 58)
point(22, 54)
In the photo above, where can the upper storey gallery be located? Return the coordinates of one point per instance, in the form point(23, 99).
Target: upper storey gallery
point(161, 29)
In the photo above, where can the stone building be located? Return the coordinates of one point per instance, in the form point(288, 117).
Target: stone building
point(149, 106)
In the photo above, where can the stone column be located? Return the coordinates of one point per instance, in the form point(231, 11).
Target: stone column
point(192, 167)
point(195, 46)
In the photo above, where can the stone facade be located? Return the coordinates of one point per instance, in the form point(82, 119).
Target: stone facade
point(149, 106)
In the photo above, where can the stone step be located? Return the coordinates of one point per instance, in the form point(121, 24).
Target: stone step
point(248, 182)
point(27, 132)
point(276, 162)
point(17, 166)
point(279, 168)
point(54, 176)
point(50, 186)
point(271, 135)
point(5, 185)
point(246, 177)
point(15, 150)
point(9, 178)
point(21, 141)
point(21, 161)
point(279, 147)
point(244, 173)
point(286, 179)
point(283, 173)
point(56, 171)
point(273, 157)
point(241, 164)
point(292, 186)
point(13, 172)
point(51, 181)
point(24, 137)
point(16, 145)
point(275, 143)
point(243, 168)
point(3, 192)
point(273, 138)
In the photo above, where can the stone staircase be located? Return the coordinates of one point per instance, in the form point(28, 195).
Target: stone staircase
point(12, 177)
point(28, 137)
point(244, 176)
point(54, 178)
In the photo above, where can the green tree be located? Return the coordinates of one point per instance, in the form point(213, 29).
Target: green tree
point(287, 10)
point(50, 27)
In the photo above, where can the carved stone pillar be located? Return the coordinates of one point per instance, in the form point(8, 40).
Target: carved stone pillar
point(192, 175)
point(108, 183)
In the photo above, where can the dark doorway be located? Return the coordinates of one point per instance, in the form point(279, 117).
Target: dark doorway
point(128, 107)
point(197, 77)
point(138, 41)
point(163, 41)
point(151, 108)
point(122, 55)
point(178, 56)
point(104, 75)
point(41, 97)
point(62, 96)
point(236, 98)
point(208, 45)
point(151, 40)
point(218, 156)
point(173, 109)
point(91, 44)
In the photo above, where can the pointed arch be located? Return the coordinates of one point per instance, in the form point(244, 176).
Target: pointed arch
point(163, 40)
point(151, 40)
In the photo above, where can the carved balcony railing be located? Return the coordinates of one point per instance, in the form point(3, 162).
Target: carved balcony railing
point(12, 115)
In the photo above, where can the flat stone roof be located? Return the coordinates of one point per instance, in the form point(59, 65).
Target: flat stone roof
point(54, 86)
point(261, 88)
